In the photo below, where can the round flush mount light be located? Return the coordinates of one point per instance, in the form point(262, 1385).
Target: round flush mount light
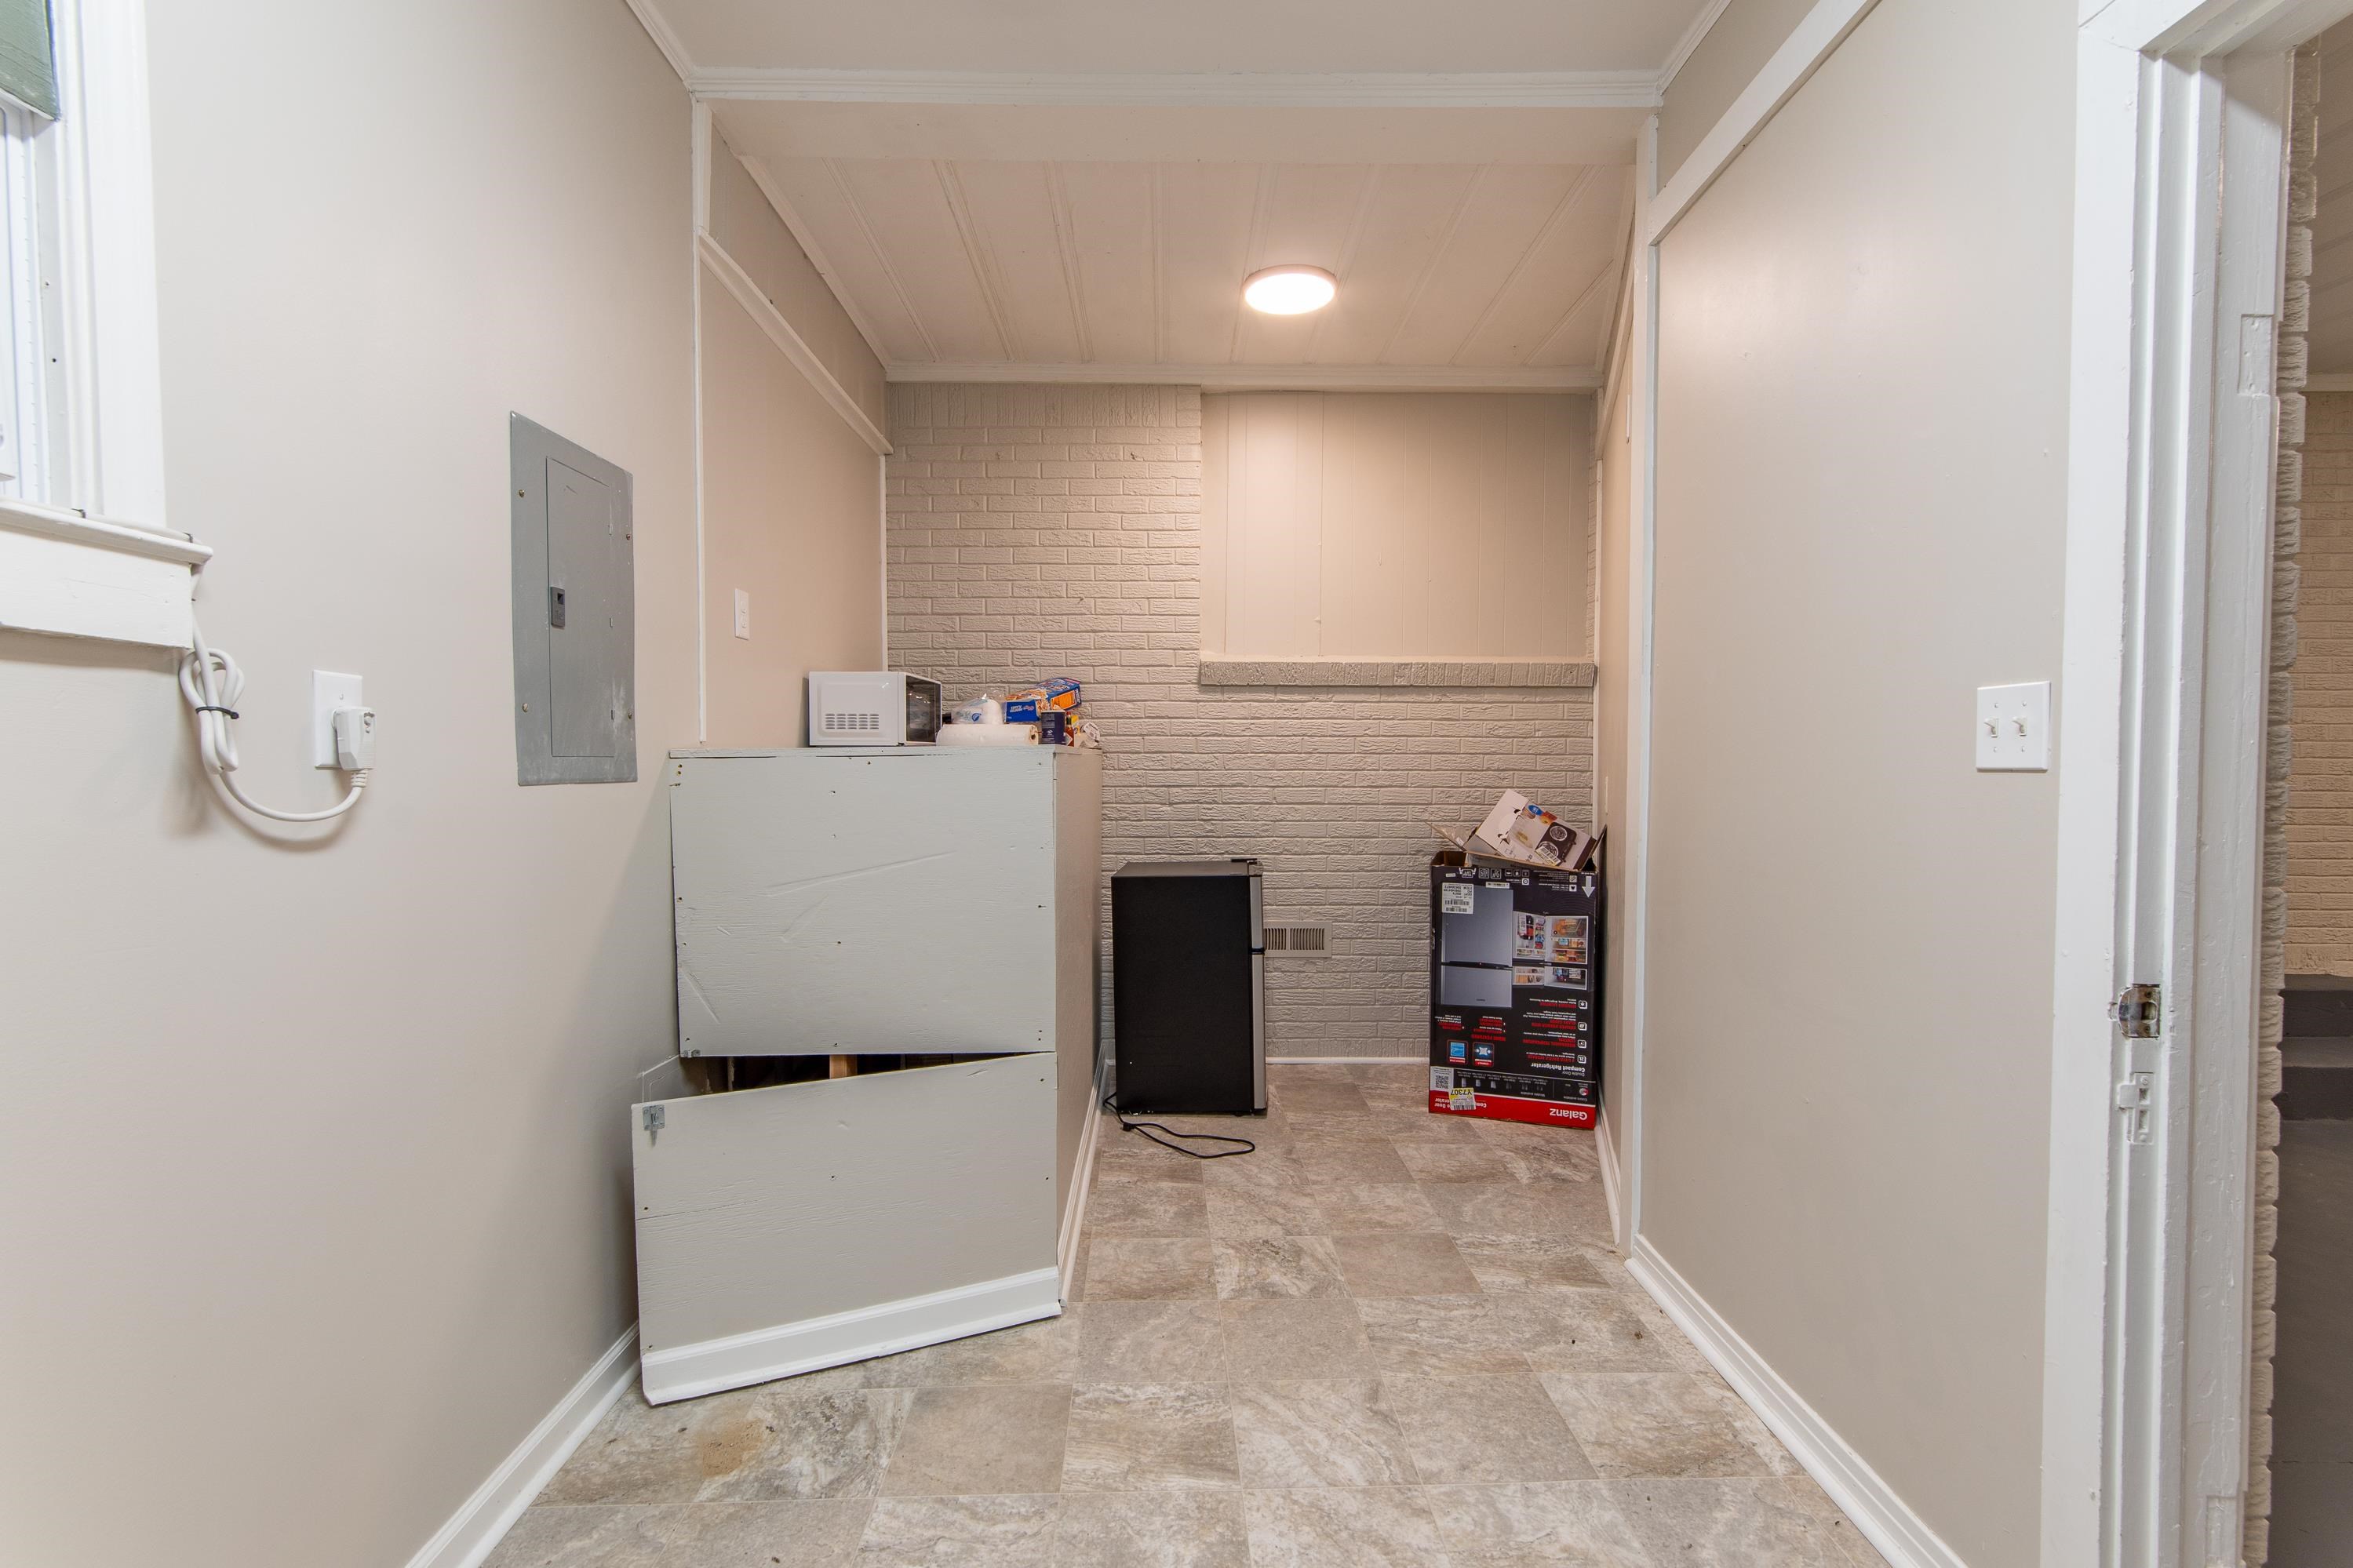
point(1289, 290)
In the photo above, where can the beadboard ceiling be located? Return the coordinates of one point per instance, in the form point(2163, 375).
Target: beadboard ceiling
point(1076, 189)
point(1447, 271)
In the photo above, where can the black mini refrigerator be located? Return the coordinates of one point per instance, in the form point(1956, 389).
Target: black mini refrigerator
point(1188, 987)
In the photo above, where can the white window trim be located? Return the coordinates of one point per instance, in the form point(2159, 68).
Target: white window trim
point(95, 557)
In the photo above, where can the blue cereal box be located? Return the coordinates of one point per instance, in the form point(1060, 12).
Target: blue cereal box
point(1027, 707)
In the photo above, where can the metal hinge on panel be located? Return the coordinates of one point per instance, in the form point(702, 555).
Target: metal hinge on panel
point(2138, 1012)
point(2132, 1096)
point(655, 1119)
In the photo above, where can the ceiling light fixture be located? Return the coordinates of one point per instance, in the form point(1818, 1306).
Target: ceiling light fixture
point(1289, 290)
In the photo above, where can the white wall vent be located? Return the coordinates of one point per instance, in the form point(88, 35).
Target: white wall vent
point(1299, 942)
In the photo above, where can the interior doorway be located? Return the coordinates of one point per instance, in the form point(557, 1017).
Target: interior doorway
point(2312, 1406)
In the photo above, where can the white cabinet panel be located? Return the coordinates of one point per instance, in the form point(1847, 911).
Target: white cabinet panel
point(808, 1224)
point(876, 901)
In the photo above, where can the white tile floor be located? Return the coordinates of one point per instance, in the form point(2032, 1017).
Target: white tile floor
point(1386, 1339)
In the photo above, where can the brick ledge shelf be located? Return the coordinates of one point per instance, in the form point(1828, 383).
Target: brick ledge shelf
point(1361, 672)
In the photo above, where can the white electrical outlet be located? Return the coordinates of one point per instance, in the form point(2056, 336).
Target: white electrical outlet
point(329, 691)
point(743, 615)
point(2014, 728)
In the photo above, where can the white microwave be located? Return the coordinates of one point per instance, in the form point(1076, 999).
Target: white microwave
point(872, 708)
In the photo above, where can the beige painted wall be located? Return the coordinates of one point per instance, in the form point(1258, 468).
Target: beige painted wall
point(792, 496)
point(316, 1199)
point(1863, 422)
point(1395, 525)
point(1742, 40)
point(2320, 780)
point(1613, 654)
point(749, 229)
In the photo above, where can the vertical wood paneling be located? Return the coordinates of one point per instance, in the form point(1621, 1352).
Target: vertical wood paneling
point(1273, 499)
point(1430, 525)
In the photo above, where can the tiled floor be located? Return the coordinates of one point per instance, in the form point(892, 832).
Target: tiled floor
point(1387, 1339)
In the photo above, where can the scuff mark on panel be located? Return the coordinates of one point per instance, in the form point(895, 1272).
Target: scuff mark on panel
point(686, 977)
point(797, 884)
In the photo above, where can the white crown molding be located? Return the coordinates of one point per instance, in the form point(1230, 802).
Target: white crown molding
point(1882, 1516)
point(1676, 56)
point(665, 37)
point(1337, 90)
point(1265, 377)
point(762, 310)
point(469, 1535)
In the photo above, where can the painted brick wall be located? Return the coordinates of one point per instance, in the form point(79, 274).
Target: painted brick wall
point(2320, 784)
point(1056, 531)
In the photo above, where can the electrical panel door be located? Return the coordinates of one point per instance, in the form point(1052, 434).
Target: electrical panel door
point(575, 612)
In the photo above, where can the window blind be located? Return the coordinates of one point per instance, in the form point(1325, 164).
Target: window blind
point(28, 71)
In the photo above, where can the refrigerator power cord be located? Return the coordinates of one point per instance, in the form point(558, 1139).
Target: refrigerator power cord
point(1152, 1131)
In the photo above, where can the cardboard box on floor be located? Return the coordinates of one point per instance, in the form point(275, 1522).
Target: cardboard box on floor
point(1516, 961)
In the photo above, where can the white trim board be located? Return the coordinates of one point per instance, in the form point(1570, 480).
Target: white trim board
point(1815, 38)
point(1259, 377)
point(1205, 90)
point(861, 1335)
point(70, 575)
point(1605, 1144)
point(482, 1520)
point(1083, 1182)
point(739, 283)
point(1884, 1518)
point(807, 239)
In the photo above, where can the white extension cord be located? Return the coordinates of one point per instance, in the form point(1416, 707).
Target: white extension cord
point(211, 681)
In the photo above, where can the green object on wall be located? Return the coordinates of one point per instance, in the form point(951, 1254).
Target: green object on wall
point(28, 71)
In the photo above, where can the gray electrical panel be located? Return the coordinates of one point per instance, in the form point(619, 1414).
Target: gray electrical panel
point(574, 613)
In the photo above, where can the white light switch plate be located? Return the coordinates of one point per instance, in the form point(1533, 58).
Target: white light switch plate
point(329, 691)
point(743, 615)
point(2014, 728)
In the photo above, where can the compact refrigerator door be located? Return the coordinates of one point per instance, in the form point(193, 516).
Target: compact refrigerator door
point(1475, 952)
point(1258, 988)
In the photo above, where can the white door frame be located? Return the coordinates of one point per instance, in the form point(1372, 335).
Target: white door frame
point(2164, 671)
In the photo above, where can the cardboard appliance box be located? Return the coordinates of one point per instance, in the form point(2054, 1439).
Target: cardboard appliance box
point(1515, 991)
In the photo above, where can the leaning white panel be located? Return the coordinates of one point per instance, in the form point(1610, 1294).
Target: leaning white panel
point(808, 1224)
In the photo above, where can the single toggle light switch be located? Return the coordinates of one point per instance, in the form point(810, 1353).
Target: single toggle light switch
point(2014, 728)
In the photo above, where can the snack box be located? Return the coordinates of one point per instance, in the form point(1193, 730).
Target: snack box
point(1027, 707)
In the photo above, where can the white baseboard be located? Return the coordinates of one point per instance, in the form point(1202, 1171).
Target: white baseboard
point(483, 1519)
point(1083, 1182)
point(1884, 1518)
point(1606, 1147)
point(742, 1360)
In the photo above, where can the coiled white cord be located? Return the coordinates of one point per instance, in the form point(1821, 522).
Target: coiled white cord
point(211, 681)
